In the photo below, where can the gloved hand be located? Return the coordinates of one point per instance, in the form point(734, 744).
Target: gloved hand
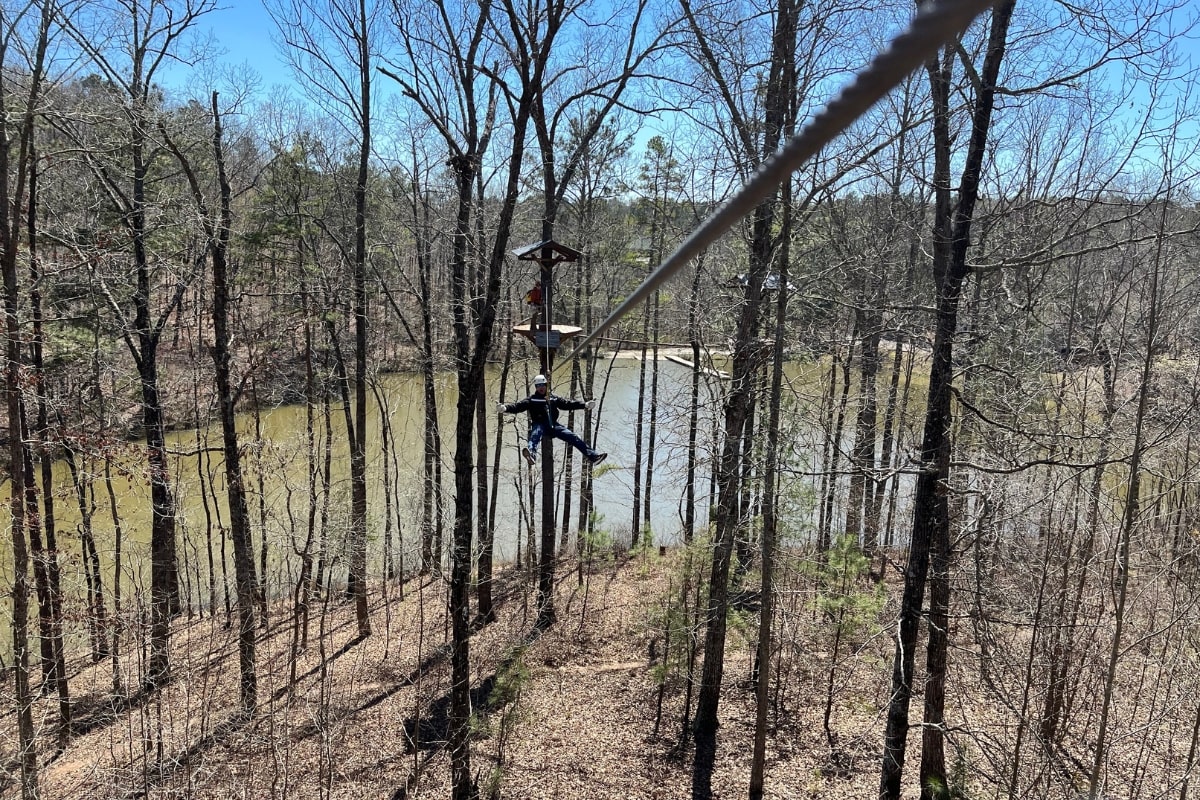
point(501, 408)
point(590, 404)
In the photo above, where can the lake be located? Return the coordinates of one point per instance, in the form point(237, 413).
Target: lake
point(277, 467)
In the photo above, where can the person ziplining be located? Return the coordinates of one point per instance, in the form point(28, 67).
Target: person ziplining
point(542, 407)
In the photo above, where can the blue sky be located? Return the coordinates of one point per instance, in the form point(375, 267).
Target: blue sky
point(244, 29)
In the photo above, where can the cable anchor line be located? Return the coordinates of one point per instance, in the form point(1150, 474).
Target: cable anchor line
point(934, 24)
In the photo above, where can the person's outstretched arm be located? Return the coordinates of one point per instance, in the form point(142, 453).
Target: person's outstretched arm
point(513, 408)
point(573, 404)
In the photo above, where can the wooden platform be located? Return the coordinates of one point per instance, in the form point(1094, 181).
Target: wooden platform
point(553, 338)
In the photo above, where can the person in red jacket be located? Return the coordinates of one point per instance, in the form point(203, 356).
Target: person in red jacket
point(543, 408)
point(533, 298)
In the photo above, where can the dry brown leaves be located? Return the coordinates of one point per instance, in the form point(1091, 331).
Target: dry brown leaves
point(578, 721)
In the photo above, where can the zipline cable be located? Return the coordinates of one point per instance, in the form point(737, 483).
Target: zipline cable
point(934, 24)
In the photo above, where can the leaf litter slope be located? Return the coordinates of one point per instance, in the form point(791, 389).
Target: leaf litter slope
point(568, 714)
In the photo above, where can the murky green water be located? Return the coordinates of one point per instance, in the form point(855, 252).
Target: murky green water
point(278, 469)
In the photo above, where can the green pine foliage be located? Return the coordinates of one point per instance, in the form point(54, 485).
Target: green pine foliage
point(846, 601)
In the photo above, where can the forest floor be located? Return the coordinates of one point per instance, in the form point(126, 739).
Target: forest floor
point(573, 713)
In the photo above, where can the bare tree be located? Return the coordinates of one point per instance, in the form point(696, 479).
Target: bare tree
point(147, 36)
point(584, 203)
point(334, 49)
point(16, 153)
point(46, 564)
point(422, 224)
point(659, 178)
point(770, 525)
point(756, 142)
point(217, 234)
point(960, 229)
point(931, 524)
point(443, 69)
point(569, 109)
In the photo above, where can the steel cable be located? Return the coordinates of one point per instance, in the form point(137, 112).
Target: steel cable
point(933, 25)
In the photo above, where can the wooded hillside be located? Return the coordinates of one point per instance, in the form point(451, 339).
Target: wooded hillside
point(930, 457)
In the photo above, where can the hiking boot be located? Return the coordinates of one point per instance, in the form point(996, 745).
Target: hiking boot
point(529, 457)
point(597, 458)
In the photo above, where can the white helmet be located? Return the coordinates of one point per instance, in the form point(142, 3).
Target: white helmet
point(539, 380)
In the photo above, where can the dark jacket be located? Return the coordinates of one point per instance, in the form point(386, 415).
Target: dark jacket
point(544, 410)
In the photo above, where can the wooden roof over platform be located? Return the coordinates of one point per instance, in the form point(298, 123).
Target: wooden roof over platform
point(537, 252)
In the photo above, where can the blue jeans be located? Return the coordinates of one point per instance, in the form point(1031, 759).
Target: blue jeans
point(536, 432)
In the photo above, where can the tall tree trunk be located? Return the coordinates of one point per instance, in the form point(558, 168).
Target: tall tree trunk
point(23, 696)
point(823, 487)
point(584, 317)
point(204, 474)
point(934, 783)
point(431, 476)
point(118, 627)
point(46, 462)
point(302, 596)
point(547, 555)
point(482, 518)
point(778, 101)
point(635, 527)
point(164, 570)
point(930, 543)
point(470, 373)
point(239, 512)
point(13, 171)
point(762, 657)
point(387, 444)
point(743, 540)
point(261, 591)
point(862, 456)
point(41, 559)
point(689, 510)
point(830, 475)
point(486, 611)
point(652, 428)
point(81, 484)
point(875, 511)
point(358, 439)
point(323, 578)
